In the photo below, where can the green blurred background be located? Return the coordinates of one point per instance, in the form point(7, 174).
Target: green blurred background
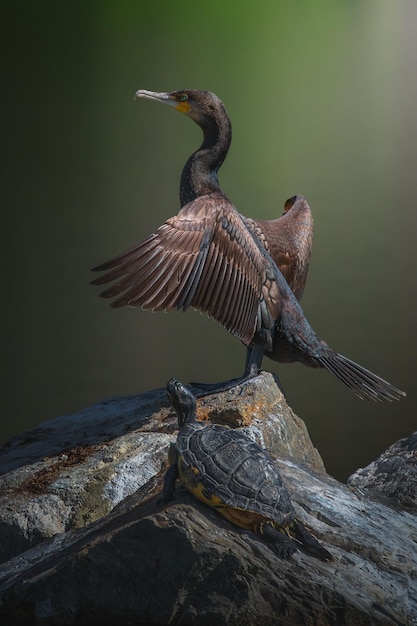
point(322, 97)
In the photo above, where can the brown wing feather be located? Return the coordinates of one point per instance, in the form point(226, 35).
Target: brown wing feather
point(289, 240)
point(205, 258)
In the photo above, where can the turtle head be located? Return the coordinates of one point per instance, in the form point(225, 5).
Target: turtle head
point(182, 401)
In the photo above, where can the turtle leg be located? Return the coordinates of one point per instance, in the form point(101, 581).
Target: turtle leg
point(310, 544)
point(280, 542)
point(170, 479)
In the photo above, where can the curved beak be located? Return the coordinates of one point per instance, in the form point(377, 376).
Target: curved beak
point(164, 98)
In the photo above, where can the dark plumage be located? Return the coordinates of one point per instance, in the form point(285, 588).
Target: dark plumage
point(211, 258)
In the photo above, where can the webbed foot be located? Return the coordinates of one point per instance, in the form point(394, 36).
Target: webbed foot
point(208, 389)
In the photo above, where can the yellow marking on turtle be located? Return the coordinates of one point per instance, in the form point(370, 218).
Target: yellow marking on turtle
point(239, 517)
point(283, 529)
point(245, 519)
point(189, 476)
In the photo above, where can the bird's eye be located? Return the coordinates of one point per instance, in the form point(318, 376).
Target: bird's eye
point(183, 97)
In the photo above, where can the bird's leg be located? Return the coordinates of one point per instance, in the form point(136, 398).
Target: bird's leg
point(254, 356)
point(253, 364)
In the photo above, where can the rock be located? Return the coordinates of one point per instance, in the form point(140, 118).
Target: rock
point(72, 470)
point(392, 475)
point(118, 556)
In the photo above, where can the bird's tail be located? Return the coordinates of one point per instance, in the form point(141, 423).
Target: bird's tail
point(362, 382)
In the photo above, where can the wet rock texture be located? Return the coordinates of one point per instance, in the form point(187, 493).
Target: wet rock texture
point(85, 539)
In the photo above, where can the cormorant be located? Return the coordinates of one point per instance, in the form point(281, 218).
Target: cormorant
point(211, 258)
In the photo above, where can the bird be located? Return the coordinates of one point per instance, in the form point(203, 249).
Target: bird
point(246, 274)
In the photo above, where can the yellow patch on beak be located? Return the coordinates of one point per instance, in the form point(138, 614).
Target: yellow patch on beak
point(183, 107)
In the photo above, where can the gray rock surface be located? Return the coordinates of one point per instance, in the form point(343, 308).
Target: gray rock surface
point(86, 539)
point(380, 478)
point(72, 470)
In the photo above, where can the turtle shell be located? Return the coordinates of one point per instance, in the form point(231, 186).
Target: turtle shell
point(225, 468)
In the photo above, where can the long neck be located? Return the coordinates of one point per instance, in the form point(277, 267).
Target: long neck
point(199, 175)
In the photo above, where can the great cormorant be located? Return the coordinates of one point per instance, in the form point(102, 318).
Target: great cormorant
point(246, 274)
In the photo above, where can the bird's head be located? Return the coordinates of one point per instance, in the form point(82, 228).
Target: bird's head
point(203, 107)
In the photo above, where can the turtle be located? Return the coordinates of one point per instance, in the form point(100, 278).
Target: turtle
point(227, 470)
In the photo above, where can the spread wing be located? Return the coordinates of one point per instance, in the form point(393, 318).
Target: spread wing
point(204, 258)
point(289, 240)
